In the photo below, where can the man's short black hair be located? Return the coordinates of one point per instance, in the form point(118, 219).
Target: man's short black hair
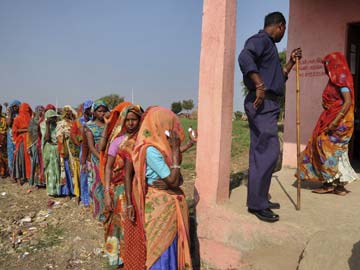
point(274, 18)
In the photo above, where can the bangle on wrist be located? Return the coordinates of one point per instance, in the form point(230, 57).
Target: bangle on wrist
point(129, 206)
point(175, 166)
point(259, 85)
point(341, 113)
point(107, 189)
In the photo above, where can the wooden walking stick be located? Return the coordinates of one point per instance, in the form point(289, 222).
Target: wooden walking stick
point(298, 135)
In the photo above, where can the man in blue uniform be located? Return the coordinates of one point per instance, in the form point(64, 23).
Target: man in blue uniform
point(265, 78)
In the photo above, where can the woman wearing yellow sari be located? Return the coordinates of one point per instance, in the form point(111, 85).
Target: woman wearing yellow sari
point(159, 203)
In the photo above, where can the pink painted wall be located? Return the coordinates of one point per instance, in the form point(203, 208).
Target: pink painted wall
point(216, 88)
point(318, 27)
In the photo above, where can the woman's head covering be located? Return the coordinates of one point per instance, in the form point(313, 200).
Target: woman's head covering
point(50, 113)
point(98, 104)
point(117, 120)
point(339, 76)
point(33, 130)
point(25, 110)
point(87, 104)
point(68, 108)
point(338, 70)
point(156, 120)
point(15, 102)
point(22, 120)
point(116, 127)
point(50, 107)
point(38, 110)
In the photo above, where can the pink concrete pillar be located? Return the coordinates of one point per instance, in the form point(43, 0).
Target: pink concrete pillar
point(216, 89)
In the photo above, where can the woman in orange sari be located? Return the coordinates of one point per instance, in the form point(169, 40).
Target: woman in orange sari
point(325, 158)
point(120, 143)
point(22, 163)
point(159, 203)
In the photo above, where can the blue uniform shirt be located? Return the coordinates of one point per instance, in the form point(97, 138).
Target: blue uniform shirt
point(260, 55)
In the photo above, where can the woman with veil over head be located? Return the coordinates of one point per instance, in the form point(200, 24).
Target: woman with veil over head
point(325, 158)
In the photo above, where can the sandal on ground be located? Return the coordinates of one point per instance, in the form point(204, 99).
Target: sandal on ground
point(340, 190)
point(326, 188)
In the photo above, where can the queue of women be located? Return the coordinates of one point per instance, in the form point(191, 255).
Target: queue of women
point(126, 164)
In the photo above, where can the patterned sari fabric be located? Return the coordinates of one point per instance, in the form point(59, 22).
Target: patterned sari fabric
point(22, 162)
point(325, 156)
point(94, 181)
point(77, 131)
point(74, 152)
point(115, 220)
point(114, 129)
point(36, 177)
point(51, 158)
point(95, 184)
point(63, 136)
point(40, 144)
point(3, 147)
point(10, 141)
point(163, 214)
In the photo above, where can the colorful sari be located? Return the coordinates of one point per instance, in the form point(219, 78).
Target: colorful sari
point(163, 214)
point(10, 141)
point(51, 157)
point(115, 220)
point(22, 162)
point(75, 155)
point(76, 161)
point(325, 157)
point(3, 147)
point(63, 135)
point(33, 148)
point(40, 143)
point(94, 181)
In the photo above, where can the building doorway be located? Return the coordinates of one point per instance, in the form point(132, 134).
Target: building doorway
point(353, 57)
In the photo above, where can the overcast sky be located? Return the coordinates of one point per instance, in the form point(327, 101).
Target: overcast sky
point(73, 50)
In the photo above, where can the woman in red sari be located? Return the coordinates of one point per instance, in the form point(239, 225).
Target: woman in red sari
point(22, 162)
point(325, 158)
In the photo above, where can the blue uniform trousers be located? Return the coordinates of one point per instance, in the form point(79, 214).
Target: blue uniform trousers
point(264, 149)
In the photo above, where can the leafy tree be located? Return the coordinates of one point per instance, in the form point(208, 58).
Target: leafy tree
point(176, 107)
point(238, 115)
point(188, 104)
point(112, 100)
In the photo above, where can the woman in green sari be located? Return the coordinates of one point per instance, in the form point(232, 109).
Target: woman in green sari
point(51, 155)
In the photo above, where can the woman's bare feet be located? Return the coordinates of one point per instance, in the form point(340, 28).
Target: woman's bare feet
point(326, 188)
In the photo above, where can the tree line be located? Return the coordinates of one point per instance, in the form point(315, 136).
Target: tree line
point(186, 105)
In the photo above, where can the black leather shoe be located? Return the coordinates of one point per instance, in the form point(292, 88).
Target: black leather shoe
point(265, 215)
point(274, 205)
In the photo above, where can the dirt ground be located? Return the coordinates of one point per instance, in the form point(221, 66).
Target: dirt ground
point(34, 235)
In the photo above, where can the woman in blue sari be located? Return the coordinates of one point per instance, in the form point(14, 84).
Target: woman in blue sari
point(93, 133)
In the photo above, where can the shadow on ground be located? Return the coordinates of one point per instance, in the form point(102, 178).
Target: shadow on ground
point(354, 260)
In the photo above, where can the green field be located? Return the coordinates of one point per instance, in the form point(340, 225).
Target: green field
point(239, 147)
